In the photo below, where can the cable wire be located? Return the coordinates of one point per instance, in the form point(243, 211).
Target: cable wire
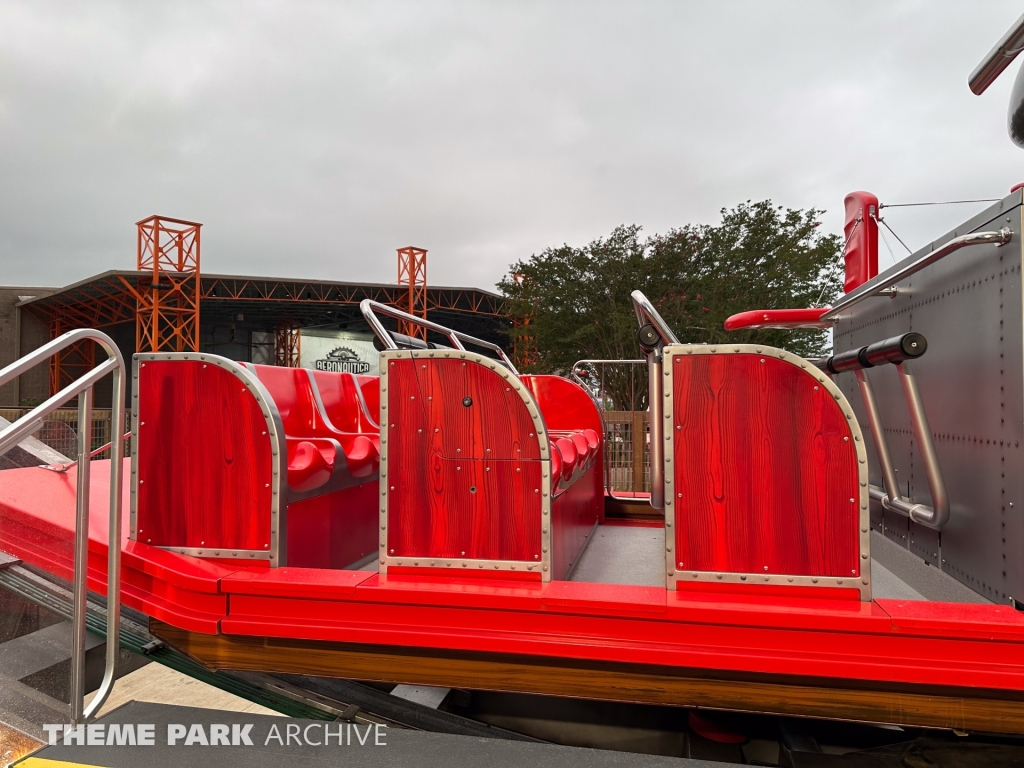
point(883, 221)
point(942, 202)
point(842, 254)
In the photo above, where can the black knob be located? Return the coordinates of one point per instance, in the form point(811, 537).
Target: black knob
point(467, 401)
point(649, 336)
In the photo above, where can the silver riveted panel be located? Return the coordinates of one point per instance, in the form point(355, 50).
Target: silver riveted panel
point(862, 582)
point(464, 565)
point(968, 306)
point(277, 552)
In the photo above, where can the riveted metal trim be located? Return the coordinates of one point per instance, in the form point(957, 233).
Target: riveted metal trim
point(277, 550)
point(862, 580)
point(240, 554)
point(543, 565)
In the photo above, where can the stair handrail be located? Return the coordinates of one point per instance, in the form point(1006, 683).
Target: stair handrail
point(82, 388)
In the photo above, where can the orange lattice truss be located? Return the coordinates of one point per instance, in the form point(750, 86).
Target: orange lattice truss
point(287, 344)
point(524, 343)
point(412, 272)
point(167, 318)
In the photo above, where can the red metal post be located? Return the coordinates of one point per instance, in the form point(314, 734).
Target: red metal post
point(861, 232)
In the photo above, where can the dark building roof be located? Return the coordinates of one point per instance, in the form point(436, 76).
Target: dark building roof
point(107, 299)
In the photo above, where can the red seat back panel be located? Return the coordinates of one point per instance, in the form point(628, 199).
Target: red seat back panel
point(765, 470)
point(204, 459)
point(464, 479)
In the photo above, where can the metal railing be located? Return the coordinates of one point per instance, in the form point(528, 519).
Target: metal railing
point(369, 309)
point(82, 388)
point(654, 334)
point(898, 351)
point(886, 282)
point(59, 430)
point(627, 455)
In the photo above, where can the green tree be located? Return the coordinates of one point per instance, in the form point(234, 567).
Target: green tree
point(759, 256)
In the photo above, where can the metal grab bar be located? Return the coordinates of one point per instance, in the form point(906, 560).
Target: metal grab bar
point(16, 432)
point(870, 289)
point(652, 345)
point(369, 308)
point(898, 351)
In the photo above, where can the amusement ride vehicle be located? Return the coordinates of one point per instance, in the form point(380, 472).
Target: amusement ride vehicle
point(433, 525)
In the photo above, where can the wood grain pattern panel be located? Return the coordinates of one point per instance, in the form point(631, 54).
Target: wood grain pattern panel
point(495, 426)
point(962, 709)
point(204, 459)
point(464, 480)
point(765, 469)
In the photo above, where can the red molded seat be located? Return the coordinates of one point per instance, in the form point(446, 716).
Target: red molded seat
point(370, 387)
point(310, 465)
point(343, 402)
point(567, 448)
point(300, 403)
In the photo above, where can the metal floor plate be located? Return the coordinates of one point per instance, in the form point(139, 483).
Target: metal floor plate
point(619, 554)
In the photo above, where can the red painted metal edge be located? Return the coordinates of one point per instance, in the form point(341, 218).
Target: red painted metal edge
point(784, 319)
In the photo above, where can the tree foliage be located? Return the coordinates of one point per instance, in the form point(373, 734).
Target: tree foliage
point(758, 257)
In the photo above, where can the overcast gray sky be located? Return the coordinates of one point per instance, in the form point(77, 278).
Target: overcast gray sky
point(312, 139)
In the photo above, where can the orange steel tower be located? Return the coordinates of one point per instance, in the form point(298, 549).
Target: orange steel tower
point(167, 318)
point(71, 362)
point(412, 271)
point(524, 344)
point(287, 344)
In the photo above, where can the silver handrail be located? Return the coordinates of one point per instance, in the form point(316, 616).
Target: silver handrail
point(873, 288)
point(601, 409)
point(646, 314)
point(998, 59)
point(369, 309)
point(936, 515)
point(25, 426)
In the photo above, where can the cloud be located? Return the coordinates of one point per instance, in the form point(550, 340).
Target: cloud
point(312, 139)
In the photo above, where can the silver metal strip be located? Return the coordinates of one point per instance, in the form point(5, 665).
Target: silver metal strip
point(241, 554)
point(277, 550)
point(386, 560)
point(861, 582)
